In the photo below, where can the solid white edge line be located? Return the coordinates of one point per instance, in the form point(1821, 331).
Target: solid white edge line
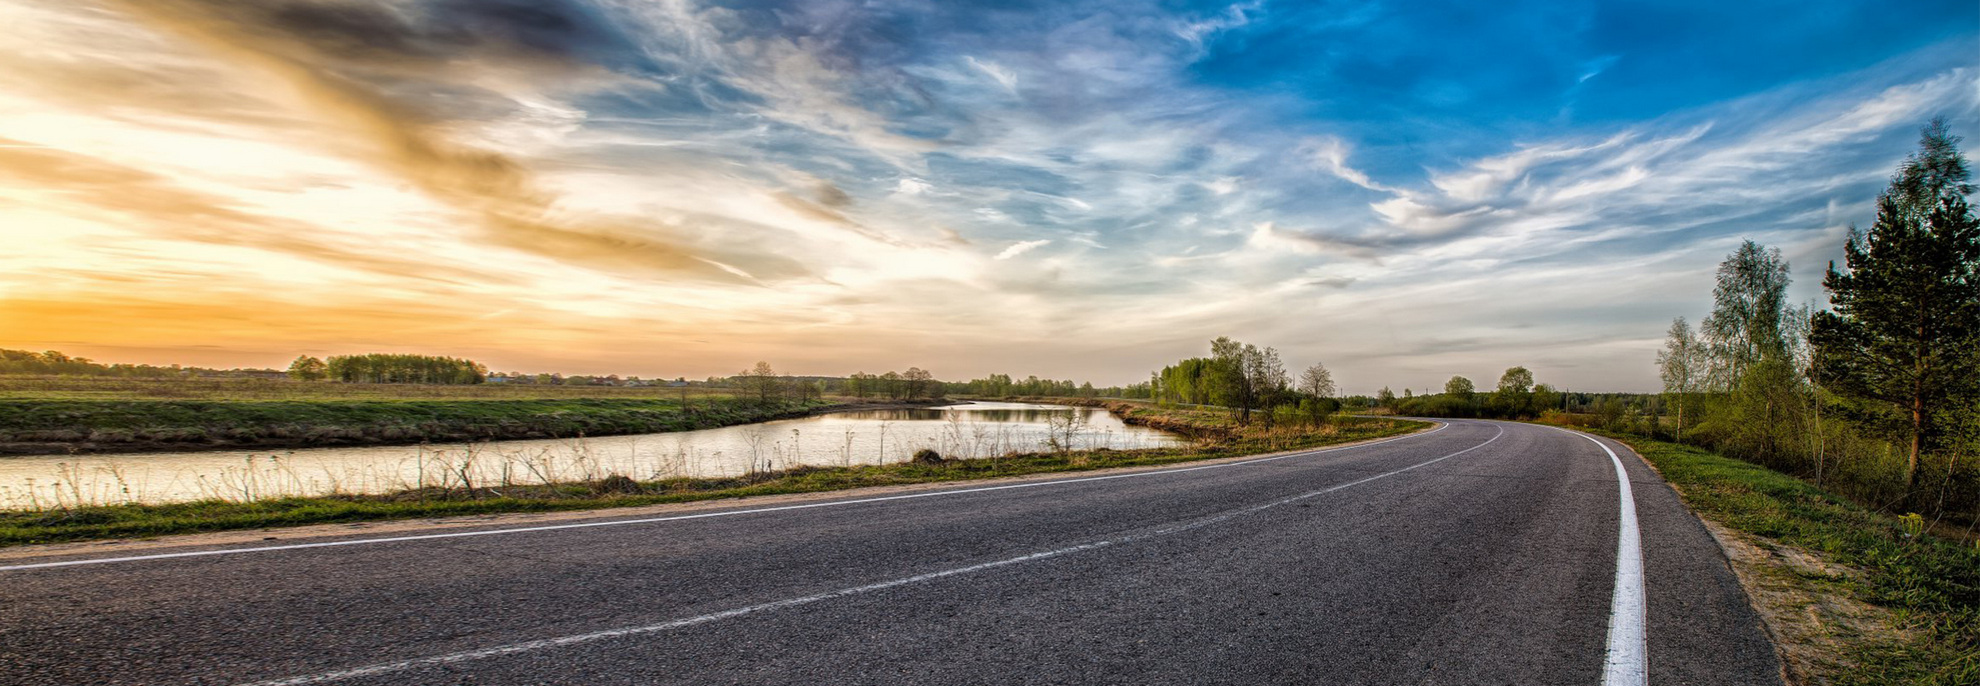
point(1627, 662)
point(726, 513)
point(540, 644)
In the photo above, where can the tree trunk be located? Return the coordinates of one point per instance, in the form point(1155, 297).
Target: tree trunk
point(1917, 433)
point(1917, 412)
point(1679, 436)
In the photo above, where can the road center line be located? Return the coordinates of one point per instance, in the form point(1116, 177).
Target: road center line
point(674, 518)
point(541, 644)
point(1628, 657)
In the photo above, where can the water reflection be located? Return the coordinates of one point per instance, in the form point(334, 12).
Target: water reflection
point(970, 430)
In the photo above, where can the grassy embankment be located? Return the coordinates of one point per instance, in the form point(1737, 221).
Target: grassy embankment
point(83, 414)
point(1214, 434)
point(1855, 597)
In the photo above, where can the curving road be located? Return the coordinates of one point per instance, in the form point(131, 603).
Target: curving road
point(1476, 553)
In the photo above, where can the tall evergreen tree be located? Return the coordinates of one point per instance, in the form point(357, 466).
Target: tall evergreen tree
point(1903, 340)
point(1935, 172)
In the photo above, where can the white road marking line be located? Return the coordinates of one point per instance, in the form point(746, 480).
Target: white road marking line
point(652, 520)
point(528, 646)
point(1627, 662)
point(391, 667)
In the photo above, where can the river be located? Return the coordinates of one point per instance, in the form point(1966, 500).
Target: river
point(865, 437)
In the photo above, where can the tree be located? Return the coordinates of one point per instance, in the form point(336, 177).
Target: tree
point(1546, 398)
point(1460, 387)
point(1903, 340)
point(307, 368)
point(1316, 381)
point(1244, 377)
point(1935, 172)
point(1747, 304)
point(760, 381)
point(1268, 375)
point(1227, 379)
point(1514, 396)
point(1681, 365)
point(916, 381)
point(1385, 398)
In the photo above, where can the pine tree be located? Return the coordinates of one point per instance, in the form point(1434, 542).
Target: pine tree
point(1903, 340)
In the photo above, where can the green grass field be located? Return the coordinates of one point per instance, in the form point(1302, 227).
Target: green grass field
point(56, 414)
point(45, 426)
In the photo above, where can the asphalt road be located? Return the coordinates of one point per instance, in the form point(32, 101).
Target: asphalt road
point(1478, 553)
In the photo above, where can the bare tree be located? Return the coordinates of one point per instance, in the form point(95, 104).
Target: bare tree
point(917, 381)
point(1316, 381)
point(760, 381)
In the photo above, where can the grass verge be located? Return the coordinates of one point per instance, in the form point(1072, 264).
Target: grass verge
point(127, 521)
point(1853, 597)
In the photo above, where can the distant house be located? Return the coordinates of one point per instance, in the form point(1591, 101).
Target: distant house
point(677, 384)
point(496, 378)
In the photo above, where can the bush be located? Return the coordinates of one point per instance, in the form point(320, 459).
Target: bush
point(617, 483)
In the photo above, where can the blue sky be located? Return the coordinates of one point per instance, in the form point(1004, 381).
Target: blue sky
point(1403, 191)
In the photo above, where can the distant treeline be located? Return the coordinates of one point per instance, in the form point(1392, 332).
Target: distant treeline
point(764, 385)
point(55, 362)
point(1516, 397)
point(389, 368)
point(999, 385)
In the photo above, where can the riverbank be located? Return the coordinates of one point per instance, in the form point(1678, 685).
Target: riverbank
point(69, 426)
point(125, 521)
point(1196, 423)
point(1852, 596)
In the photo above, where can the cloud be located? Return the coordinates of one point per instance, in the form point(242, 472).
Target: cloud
point(1234, 16)
point(1004, 77)
point(360, 64)
point(1021, 248)
point(1331, 154)
point(157, 206)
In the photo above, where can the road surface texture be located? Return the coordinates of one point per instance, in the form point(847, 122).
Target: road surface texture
point(1475, 553)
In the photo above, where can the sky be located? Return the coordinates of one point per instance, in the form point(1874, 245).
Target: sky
point(1089, 190)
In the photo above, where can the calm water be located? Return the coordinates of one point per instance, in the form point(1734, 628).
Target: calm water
point(847, 438)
